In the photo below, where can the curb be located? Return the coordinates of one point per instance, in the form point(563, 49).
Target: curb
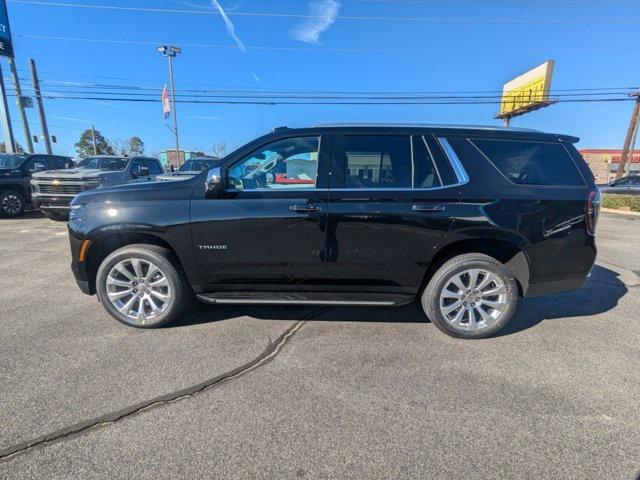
point(620, 212)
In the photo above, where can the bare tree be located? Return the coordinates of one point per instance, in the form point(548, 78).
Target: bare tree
point(219, 149)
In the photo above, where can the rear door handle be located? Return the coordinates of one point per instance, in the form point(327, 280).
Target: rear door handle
point(304, 208)
point(427, 208)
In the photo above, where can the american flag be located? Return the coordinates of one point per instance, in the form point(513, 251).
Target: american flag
point(166, 105)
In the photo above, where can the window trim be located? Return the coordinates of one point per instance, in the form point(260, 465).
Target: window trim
point(454, 161)
point(536, 185)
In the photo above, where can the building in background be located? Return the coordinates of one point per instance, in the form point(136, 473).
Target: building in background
point(168, 158)
point(604, 163)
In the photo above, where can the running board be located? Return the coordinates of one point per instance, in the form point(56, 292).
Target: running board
point(305, 298)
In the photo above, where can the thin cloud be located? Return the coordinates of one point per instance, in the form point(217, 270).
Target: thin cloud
point(204, 117)
point(71, 119)
point(256, 77)
point(322, 15)
point(231, 30)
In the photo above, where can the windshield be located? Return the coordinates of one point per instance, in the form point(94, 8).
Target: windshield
point(11, 161)
point(104, 163)
point(197, 165)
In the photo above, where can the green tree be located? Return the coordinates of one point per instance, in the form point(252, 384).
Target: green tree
point(135, 146)
point(3, 148)
point(84, 146)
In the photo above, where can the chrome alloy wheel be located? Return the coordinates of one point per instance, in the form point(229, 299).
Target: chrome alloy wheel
point(138, 289)
point(11, 204)
point(473, 300)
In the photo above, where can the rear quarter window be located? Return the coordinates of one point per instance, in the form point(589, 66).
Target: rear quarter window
point(531, 163)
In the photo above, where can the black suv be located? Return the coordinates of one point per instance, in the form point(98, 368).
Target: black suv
point(15, 173)
point(465, 219)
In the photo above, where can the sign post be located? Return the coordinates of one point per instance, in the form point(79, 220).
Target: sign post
point(526, 93)
point(6, 50)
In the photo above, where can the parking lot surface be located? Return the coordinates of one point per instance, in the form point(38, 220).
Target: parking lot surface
point(305, 393)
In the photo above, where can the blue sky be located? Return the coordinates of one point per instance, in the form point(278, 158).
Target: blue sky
point(429, 46)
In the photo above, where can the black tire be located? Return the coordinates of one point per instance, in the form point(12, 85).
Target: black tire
point(178, 286)
point(11, 203)
point(442, 278)
point(58, 217)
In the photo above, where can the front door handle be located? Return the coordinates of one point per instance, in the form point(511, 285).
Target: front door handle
point(304, 208)
point(427, 208)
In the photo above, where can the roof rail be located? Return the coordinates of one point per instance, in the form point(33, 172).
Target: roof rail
point(429, 125)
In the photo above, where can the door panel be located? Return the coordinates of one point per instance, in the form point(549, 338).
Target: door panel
point(269, 231)
point(381, 237)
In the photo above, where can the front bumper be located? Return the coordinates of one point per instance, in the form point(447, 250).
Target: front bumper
point(59, 203)
point(79, 268)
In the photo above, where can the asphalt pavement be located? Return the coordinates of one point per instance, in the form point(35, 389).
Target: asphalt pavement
point(261, 392)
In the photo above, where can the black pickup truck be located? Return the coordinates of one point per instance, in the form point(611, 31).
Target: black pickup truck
point(15, 174)
point(53, 190)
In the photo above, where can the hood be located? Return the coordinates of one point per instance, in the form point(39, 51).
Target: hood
point(137, 191)
point(74, 173)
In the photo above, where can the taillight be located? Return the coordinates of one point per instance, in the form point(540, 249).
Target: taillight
point(592, 211)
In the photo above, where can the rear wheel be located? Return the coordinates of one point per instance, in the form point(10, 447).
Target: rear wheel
point(11, 203)
point(58, 217)
point(471, 296)
point(140, 286)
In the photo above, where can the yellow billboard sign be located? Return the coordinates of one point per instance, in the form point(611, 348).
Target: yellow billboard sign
point(527, 92)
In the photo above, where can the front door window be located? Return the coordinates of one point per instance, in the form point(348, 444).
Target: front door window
point(289, 164)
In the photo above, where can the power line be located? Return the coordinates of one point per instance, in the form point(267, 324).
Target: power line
point(279, 102)
point(339, 17)
point(276, 48)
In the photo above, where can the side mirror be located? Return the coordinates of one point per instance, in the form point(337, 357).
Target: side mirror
point(214, 185)
point(144, 171)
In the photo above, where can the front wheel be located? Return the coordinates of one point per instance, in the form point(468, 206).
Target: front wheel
point(141, 286)
point(11, 203)
point(471, 296)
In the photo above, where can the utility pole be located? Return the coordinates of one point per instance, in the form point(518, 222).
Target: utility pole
point(9, 142)
point(20, 104)
point(93, 135)
point(171, 51)
point(633, 125)
point(43, 118)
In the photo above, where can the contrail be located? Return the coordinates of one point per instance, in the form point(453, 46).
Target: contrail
point(231, 30)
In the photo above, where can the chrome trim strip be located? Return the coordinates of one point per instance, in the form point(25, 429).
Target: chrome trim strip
point(45, 195)
point(451, 154)
point(247, 301)
point(413, 163)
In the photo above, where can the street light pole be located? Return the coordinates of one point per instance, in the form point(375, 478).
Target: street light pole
point(175, 112)
point(170, 52)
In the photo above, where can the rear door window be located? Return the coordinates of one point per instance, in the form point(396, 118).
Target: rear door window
point(531, 163)
point(377, 161)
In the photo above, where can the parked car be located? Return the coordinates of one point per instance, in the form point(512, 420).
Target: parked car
point(190, 168)
point(629, 185)
point(464, 219)
point(15, 173)
point(53, 190)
